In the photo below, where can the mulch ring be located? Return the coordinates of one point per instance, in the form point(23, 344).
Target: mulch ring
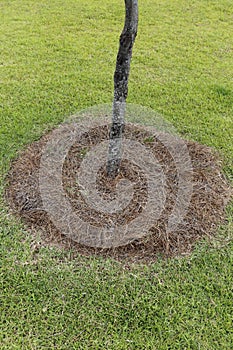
point(211, 193)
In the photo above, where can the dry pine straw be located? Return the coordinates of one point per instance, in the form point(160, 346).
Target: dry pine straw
point(206, 211)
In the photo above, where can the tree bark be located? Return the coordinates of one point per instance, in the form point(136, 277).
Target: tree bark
point(121, 76)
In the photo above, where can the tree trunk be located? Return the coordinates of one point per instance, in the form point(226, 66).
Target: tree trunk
point(121, 76)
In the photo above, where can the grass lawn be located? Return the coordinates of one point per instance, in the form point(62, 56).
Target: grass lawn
point(57, 58)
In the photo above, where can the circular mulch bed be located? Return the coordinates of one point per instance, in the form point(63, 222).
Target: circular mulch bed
point(210, 195)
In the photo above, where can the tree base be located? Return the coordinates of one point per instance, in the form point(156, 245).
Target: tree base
point(206, 211)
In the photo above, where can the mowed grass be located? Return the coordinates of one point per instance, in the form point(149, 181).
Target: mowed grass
point(57, 58)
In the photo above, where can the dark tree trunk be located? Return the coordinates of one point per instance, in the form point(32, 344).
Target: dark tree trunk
point(121, 76)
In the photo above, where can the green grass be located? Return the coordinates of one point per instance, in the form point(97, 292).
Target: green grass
point(58, 57)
